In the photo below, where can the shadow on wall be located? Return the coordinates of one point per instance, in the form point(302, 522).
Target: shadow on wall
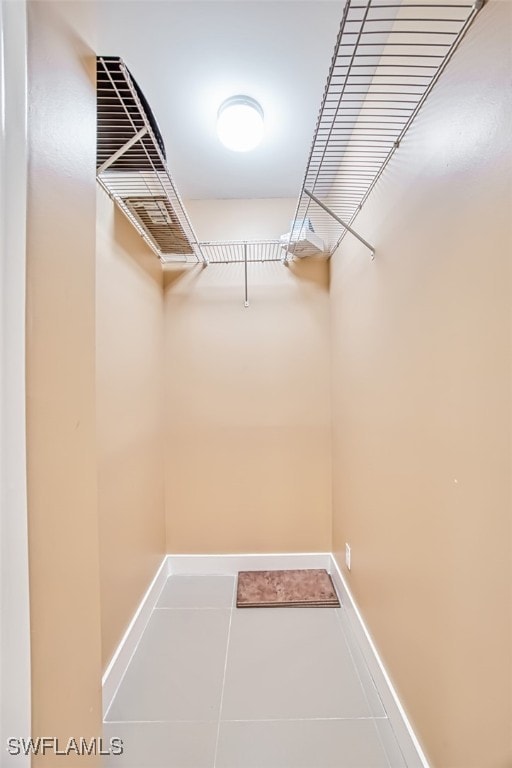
point(130, 243)
point(311, 271)
point(126, 236)
point(175, 273)
point(308, 270)
point(78, 28)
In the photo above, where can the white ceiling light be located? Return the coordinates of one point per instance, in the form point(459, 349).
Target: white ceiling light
point(240, 123)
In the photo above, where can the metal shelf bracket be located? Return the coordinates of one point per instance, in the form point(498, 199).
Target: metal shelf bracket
point(120, 152)
point(340, 221)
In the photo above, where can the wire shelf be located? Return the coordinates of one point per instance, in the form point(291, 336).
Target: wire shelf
point(244, 252)
point(387, 58)
point(238, 251)
point(131, 166)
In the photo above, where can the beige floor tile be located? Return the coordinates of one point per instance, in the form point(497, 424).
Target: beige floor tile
point(290, 663)
point(197, 591)
point(177, 671)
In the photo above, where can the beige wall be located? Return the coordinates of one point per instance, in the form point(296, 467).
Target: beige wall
point(129, 376)
point(61, 434)
point(258, 219)
point(421, 409)
point(247, 407)
point(421, 399)
point(94, 390)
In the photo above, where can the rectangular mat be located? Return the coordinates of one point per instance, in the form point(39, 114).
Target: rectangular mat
point(306, 588)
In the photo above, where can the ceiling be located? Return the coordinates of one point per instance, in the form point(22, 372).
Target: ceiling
point(189, 56)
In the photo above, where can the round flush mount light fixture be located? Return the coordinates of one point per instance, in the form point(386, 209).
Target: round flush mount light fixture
point(240, 123)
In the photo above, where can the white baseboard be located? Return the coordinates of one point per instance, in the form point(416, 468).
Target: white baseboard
point(126, 648)
point(232, 563)
point(251, 562)
point(408, 742)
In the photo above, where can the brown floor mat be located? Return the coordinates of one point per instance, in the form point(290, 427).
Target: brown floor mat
point(308, 588)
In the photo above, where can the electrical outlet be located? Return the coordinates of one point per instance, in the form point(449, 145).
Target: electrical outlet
point(347, 556)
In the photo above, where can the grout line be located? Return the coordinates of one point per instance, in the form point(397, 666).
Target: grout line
point(346, 631)
point(363, 687)
point(224, 676)
point(157, 722)
point(301, 719)
point(191, 608)
point(251, 720)
point(248, 608)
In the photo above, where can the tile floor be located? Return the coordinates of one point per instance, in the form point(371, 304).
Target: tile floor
point(213, 686)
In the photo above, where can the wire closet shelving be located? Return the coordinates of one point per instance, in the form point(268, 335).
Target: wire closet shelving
point(131, 165)
point(387, 58)
point(243, 252)
point(239, 251)
point(132, 168)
